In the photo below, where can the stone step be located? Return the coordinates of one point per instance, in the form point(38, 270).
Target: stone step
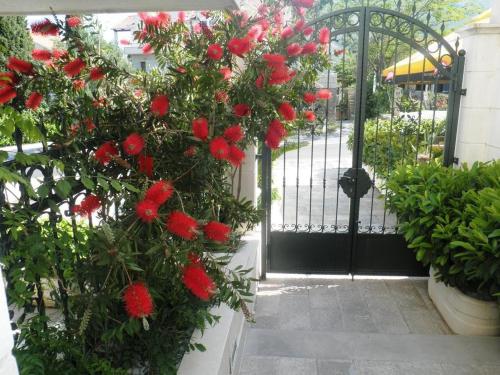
point(391, 348)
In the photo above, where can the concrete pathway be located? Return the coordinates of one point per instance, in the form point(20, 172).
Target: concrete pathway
point(337, 326)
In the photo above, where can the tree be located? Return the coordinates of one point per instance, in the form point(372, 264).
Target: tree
point(15, 39)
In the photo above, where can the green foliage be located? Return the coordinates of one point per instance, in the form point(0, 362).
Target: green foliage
point(390, 144)
point(15, 40)
point(450, 217)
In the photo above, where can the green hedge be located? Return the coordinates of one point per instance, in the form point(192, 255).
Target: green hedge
point(451, 218)
point(389, 145)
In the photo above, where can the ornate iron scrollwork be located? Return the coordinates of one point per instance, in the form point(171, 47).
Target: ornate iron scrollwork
point(349, 181)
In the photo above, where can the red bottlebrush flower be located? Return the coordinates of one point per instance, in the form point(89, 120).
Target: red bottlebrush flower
point(145, 164)
point(44, 27)
point(309, 116)
point(89, 125)
point(197, 28)
point(159, 20)
point(96, 74)
point(19, 65)
point(124, 42)
point(181, 16)
point(78, 84)
point(309, 97)
point(259, 82)
point(234, 133)
point(160, 192)
point(7, 79)
point(163, 18)
point(34, 100)
point(7, 93)
point(275, 133)
point(308, 31)
point(236, 156)
point(278, 18)
point(226, 73)
point(214, 51)
point(219, 148)
point(200, 128)
point(105, 153)
point(265, 25)
point(280, 75)
point(88, 205)
point(299, 25)
point(41, 55)
point(303, 3)
point(147, 49)
point(74, 67)
point(324, 35)
point(241, 110)
point(309, 48)
point(133, 144)
point(198, 282)
point(324, 94)
point(181, 70)
point(138, 301)
point(74, 21)
point(216, 231)
point(99, 103)
point(160, 105)
point(147, 210)
point(239, 47)
point(221, 96)
point(255, 32)
point(274, 59)
point(287, 111)
point(287, 33)
point(191, 151)
point(207, 31)
point(59, 54)
point(294, 49)
point(182, 225)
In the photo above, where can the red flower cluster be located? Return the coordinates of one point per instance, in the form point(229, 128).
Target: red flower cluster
point(145, 164)
point(156, 195)
point(34, 100)
point(309, 116)
point(235, 156)
point(226, 73)
point(216, 231)
point(196, 279)
point(309, 97)
point(275, 133)
point(78, 84)
point(41, 55)
point(182, 225)
point(147, 49)
point(221, 96)
point(241, 110)
point(73, 21)
point(96, 74)
point(234, 133)
point(147, 210)
point(324, 94)
point(88, 205)
point(309, 48)
point(138, 300)
point(200, 128)
point(105, 153)
point(219, 148)
point(133, 144)
point(324, 35)
point(19, 65)
point(294, 49)
point(215, 51)
point(160, 105)
point(160, 192)
point(44, 27)
point(303, 3)
point(7, 93)
point(286, 111)
point(160, 19)
point(239, 47)
point(74, 67)
point(287, 33)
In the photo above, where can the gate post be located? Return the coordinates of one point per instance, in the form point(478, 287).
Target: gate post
point(266, 197)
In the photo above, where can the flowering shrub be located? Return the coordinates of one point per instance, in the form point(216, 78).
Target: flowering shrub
point(143, 161)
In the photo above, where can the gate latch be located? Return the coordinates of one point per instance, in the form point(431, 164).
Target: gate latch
point(348, 182)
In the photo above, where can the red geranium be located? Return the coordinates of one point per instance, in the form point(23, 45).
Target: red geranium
point(34, 100)
point(324, 35)
point(241, 110)
point(182, 225)
point(147, 210)
point(44, 27)
point(239, 47)
point(219, 148)
point(160, 105)
point(287, 111)
point(198, 282)
point(216, 231)
point(138, 300)
point(234, 133)
point(105, 153)
point(309, 48)
point(200, 128)
point(74, 67)
point(294, 49)
point(309, 97)
point(145, 164)
point(236, 155)
point(7, 93)
point(96, 74)
point(214, 51)
point(133, 144)
point(160, 192)
point(19, 65)
point(324, 94)
point(41, 55)
point(88, 205)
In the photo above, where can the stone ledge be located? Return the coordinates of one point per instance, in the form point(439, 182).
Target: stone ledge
point(222, 341)
point(480, 28)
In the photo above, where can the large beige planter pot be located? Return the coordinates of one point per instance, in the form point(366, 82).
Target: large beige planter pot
point(463, 314)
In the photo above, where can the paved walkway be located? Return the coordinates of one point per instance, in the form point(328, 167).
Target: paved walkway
point(377, 327)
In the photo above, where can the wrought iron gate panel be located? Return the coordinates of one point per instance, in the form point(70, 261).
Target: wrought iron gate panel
point(329, 216)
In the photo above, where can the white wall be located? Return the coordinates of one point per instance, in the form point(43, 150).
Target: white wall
point(478, 137)
point(8, 364)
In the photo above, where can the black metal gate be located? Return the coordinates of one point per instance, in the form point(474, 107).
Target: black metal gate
point(324, 194)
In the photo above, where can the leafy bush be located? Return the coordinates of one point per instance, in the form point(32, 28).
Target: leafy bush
point(450, 217)
point(387, 146)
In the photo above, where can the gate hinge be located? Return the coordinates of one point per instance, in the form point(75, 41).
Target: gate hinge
point(463, 92)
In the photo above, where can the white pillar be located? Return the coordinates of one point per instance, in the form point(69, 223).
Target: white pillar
point(495, 12)
point(478, 137)
point(248, 187)
point(7, 362)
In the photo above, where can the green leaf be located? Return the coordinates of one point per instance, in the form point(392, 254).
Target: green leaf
point(103, 183)
point(43, 191)
point(116, 185)
point(4, 155)
point(130, 187)
point(63, 188)
point(464, 245)
point(88, 183)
